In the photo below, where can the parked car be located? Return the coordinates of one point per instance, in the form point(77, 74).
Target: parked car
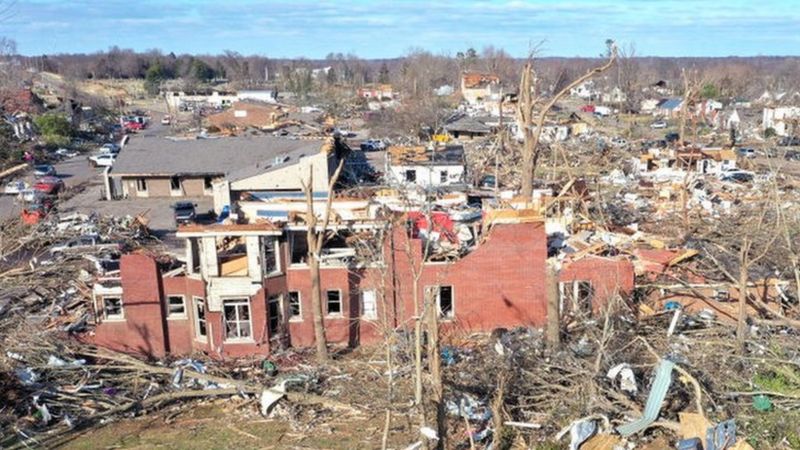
point(671, 137)
point(737, 177)
point(792, 156)
point(487, 182)
point(66, 153)
point(103, 159)
point(166, 120)
point(372, 145)
point(44, 170)
point(49, 185)
point(15, 187)
point(343, 132)
point(658, 124)
point(109, 148)
point(787, 141)
point(84, 244)
point(30, 195)
point(746, 152)
point(184, 212)
point(619, 142)
point(133, 126)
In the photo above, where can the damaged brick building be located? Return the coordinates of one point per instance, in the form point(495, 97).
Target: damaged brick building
point(246, 288)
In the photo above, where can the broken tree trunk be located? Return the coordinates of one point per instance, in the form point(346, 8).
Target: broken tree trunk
point(553, 316)
point(435, 362)
point(315, 239)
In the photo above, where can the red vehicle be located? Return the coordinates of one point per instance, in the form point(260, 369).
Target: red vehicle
point(49, 185)
point(587, 108)
point(133, 126)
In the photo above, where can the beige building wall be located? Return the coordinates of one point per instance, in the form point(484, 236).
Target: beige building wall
point(161, 187)
point(289, 177)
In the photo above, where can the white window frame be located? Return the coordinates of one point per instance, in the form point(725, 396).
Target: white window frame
point(299, 316)
point(197, 301)
point(277, 251)
point(373, 315)
point(438, 290)
point(141, 181)
point(176, 316)
point(341, 303)
point(236, 303)
point(114, 317)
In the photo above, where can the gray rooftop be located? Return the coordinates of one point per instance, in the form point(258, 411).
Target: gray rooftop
point(468, 124)
point(237, 157)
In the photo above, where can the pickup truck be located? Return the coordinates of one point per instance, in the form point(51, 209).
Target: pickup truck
point(84, 244)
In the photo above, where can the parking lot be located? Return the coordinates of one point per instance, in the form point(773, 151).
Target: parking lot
point(78, 175)
point(157, 211)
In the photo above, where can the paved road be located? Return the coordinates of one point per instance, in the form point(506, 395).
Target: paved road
point(73, 171)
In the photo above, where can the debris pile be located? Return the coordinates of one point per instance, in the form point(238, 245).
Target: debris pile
point(623, 380)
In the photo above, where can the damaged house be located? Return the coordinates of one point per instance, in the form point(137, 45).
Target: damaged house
point(220, 168)
point(246, 288)
point(426, 167)
point(249, 114)
point(477, 87)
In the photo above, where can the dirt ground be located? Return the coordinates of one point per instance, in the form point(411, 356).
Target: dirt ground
point(218, 425)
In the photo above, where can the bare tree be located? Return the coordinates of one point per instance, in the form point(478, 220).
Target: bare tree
point(528, 101)
point(316, 237)
point(628, 71)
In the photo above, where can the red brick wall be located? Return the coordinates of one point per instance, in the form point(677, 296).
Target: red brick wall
point(142, 331)
point(181, 331)
point(609, 276)
point(499, 284)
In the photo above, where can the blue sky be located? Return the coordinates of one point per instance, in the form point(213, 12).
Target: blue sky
point(374, 29)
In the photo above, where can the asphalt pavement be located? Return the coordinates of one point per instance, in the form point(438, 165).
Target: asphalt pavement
point(73, 172)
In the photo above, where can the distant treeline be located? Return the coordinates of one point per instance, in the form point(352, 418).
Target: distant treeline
point(419, 69)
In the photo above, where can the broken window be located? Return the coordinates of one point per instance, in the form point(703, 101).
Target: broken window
point(232, 257)
point(445, 301)
point(576, 296)
point(336, 250)
point(200, 317)
point(141, 185)
point(195, 249)
point(443, 176)
point(411, 176)
point(443, 295)
point(274, 314)
point(236, 317)
point(299, 247)
point(295, 308)
point(334, 303)
point(369, 305)
point(271, 262)
point(112, 308)
point(207, 185)
point(175, 184)
point(175, 306)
